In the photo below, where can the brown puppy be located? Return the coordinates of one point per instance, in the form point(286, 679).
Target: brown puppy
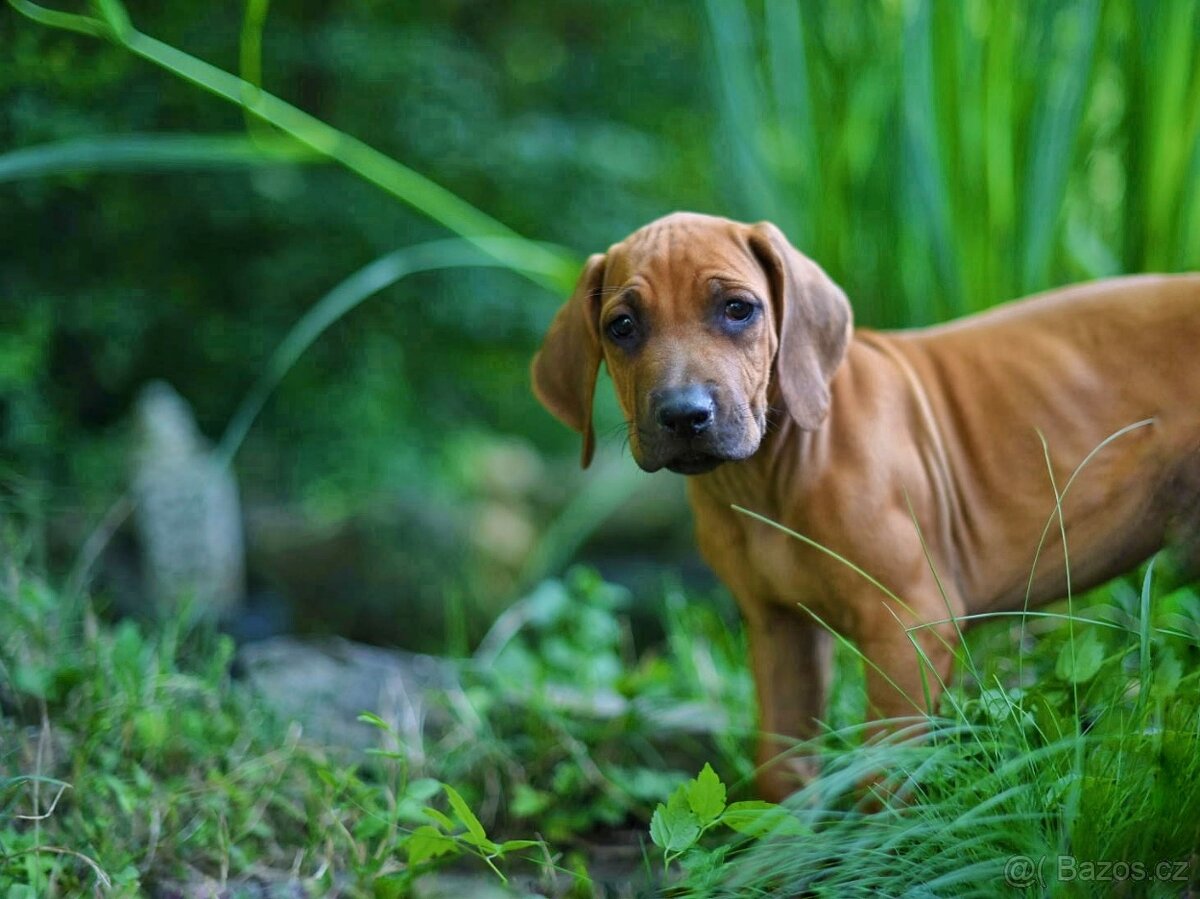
point(735, 362)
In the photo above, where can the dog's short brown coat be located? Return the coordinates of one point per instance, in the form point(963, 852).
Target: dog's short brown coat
point(923, 456)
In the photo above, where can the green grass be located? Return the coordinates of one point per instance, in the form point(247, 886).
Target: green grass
point(937, 158)
point(130, 759)
point(1069, 751)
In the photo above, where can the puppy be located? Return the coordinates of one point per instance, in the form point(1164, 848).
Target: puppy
point(929, 458)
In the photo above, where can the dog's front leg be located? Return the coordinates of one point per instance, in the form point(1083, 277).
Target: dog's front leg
point(790, 659)
point(907, 659)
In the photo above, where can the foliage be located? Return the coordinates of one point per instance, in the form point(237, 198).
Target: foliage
point(130, 756)
point(198, 284)
point(1084, 747)
point(135, 759)
point(698, 806)
point(575, 729)
point(913, 149)
point(938, 158)
point(130, 759)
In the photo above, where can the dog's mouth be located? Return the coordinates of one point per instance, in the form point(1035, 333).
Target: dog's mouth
point(694, 463)
point(723, 440)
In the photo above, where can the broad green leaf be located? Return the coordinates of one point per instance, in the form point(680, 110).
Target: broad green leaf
point(482, 843)
point(706, 795)
point(756, 818)
point(1080, 658)
point(659, 834)
point(422, 788)
point(466, 816)
point(675, 826)
point(427, 842)
point(1167, 673)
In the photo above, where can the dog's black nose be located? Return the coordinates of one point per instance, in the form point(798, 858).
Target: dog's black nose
point(686, 412)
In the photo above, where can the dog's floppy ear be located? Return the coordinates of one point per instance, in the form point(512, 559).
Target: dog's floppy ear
point(812, 323)
point(565, 368)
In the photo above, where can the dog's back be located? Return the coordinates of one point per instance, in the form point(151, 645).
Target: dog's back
point(1075, 367)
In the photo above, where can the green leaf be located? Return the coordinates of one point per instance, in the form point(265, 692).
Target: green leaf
point(152, 728)
point(674, 826)
point(392, 886)
point(1167, 674)
point(466, 816)
point(422, 788)
point(426, 843)
point(706, 795)
point(527, 802)
point(374, 720)
point(659, 832)
point(442, 820)
point(756, 818)
point(1080, 658)
point(514, 845)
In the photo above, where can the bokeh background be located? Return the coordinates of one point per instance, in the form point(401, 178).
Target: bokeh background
point(401, 485)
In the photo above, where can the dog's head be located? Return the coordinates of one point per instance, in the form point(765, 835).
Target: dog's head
point(702, 322)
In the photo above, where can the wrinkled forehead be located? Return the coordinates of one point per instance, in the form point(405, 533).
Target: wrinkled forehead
point(683, 252)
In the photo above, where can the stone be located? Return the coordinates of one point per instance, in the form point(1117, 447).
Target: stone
point(186, 511)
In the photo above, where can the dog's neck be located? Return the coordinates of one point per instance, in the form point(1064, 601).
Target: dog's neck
point(788, 459)
point(761, 482)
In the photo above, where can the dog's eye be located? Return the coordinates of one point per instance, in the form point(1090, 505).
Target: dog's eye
point(621, 327)
point(738, 310)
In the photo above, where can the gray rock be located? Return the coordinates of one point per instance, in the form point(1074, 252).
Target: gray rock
point(325, 684)
point(186, 511)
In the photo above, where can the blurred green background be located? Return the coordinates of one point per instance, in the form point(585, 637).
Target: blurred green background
point(401, 484)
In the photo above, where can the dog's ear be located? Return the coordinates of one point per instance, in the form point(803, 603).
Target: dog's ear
point(812, 324)
point(565, 368)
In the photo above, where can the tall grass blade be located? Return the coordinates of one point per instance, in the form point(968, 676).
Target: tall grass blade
point(741, 96)
point(349, 293)
point(797, 156)
point(254, 21)
point(1056, 127)
point(998, 156)
point(1144, 632)
point(1173, 114)
point(925, 181)
point(150, 152)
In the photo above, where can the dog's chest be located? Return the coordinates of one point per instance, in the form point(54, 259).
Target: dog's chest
point(760, 563)
point(777, 559)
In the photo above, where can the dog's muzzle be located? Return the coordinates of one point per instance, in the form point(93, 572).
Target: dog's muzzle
point(684, 435)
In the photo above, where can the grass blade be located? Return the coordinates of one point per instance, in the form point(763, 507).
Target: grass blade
point(926, 176)
point(150, 152)
point(1053, 138)
point(363, 284)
